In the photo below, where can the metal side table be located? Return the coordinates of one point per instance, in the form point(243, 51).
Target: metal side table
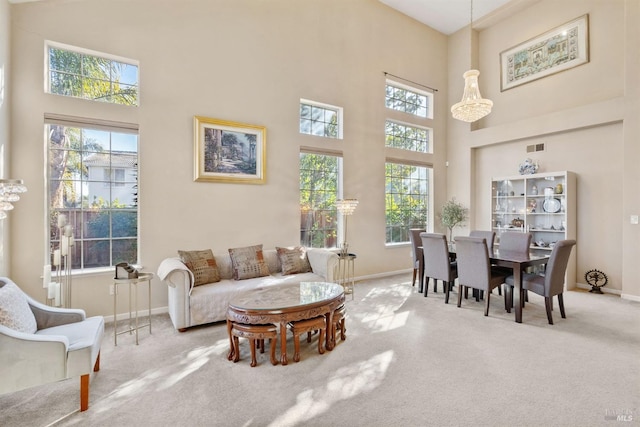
point(134, 324)
point(345, 273)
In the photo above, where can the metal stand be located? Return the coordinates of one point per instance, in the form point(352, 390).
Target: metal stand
point(134, 325)
point(345, 273)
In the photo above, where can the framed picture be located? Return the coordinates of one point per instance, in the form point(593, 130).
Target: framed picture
point(229, 152)
point(564, 47)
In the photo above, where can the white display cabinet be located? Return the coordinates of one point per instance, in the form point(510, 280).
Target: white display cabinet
point(543, 204)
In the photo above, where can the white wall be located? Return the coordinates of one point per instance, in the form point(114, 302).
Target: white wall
point(242, 60)
point(586, 116)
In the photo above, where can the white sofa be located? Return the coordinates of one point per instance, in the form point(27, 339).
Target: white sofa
point(191, 305)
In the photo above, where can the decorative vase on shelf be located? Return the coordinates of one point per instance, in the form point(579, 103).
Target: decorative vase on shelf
point(528, 167)
point(559, 188)
point(534, 190)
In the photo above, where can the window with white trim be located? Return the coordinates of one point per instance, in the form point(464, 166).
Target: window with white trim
point(409, 100)
point(407, 137)
point(81, 73)
point(406, 199)
point(92, 182)
point(320, 119)
point(320, 183)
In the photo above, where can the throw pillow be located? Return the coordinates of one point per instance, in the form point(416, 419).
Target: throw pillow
point(15, 312)
point(293, 260)
point(248, 262)
point(203, 266)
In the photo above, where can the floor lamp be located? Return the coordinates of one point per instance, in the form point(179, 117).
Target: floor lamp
point(346, 207)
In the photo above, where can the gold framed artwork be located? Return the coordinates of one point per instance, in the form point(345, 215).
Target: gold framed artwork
point(226, 151)
point(559, 49)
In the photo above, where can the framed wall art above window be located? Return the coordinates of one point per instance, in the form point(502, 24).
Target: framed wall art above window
point(564, 47)
point(227, 151)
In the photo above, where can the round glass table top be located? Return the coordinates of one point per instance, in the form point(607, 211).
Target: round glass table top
point(288, 296)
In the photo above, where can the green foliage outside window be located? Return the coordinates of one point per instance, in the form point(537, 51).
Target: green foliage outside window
point(406, 204)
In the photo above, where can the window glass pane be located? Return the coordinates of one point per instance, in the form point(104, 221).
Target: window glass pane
point(92, 77)
point(92, 179)
point(406, 200)
point(318, 193)
point(411, 102)
point(407, 137)
point(320, 120)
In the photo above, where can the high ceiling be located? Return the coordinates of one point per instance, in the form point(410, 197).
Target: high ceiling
point(446, 16)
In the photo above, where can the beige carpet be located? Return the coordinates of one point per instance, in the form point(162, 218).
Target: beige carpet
point(407, 361)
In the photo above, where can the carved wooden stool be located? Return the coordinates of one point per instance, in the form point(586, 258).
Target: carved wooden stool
point(254, 333)
point(338, 322)
point(299, 327)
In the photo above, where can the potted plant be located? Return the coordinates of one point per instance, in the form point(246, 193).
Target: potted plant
point(452, 215)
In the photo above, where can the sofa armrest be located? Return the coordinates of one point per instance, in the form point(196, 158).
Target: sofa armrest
point(179, 280)
point(323, 262)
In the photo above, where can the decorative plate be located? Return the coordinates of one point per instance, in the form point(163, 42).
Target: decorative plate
point(551, 205)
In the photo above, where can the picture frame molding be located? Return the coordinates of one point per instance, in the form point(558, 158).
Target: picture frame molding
point(201, 156)
point(582, 53)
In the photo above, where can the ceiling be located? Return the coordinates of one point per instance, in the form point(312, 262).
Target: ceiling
point(446, 16)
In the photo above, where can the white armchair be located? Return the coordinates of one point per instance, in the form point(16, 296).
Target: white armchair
point(41, 344)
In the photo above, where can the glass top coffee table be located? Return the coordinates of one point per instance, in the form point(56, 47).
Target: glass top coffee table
point(283, 304)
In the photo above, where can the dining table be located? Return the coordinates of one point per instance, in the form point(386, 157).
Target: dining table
point(517, 261)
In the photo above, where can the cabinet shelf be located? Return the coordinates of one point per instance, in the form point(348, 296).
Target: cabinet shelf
point(512, 198)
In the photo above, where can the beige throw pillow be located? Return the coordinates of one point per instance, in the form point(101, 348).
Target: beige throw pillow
point(293, 260)
point(248, 262)
point(203, 266)
point(15, 312)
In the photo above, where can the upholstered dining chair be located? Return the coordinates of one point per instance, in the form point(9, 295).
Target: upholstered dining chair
point(41, 344)
point(515, 241)
point(552, 283)
point(474, 268)
point(416, 251)
point(490, 237)
point(437, 264)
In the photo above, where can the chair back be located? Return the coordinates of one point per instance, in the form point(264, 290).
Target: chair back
point(556, 267)
point(436, 256)
point(515, 241)
point(490, 236)
point(473, 262)
point(414, 236)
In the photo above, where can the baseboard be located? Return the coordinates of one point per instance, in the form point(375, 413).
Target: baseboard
point(604, 290)
point(141, 314)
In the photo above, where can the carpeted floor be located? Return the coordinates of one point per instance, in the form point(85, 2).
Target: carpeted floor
point(407, 361)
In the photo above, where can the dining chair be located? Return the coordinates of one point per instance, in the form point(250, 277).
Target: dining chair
point(437, 264)
point(416, 251)
point(490, 236)
point(512, 241)
point(552, 283)
point(474, 268)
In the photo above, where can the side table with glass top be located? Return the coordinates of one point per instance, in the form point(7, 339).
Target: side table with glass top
point(134, 324)
point(345, 272)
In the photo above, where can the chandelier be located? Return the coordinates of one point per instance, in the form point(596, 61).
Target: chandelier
point(472, 107)
point(10, 190)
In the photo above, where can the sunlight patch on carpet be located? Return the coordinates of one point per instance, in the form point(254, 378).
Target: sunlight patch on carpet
point(346, 383)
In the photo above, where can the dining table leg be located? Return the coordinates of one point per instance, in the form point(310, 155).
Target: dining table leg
point(517, 290)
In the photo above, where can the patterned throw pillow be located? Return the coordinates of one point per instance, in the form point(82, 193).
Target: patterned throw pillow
point(248, 262)
point(293, 260)
point(203, 266)
point(15, 312)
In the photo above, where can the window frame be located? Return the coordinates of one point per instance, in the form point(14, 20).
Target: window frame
point(80, 227)
point(339, 114)
point(427, 94)
point(428, 130)
point(88, 52)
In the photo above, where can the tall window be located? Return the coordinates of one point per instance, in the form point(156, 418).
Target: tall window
point(92, 180)
point(320, 119)
point(407, 195)
point(409, 100)
point(407, 137)
point(85, 74)
point(319, 189)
